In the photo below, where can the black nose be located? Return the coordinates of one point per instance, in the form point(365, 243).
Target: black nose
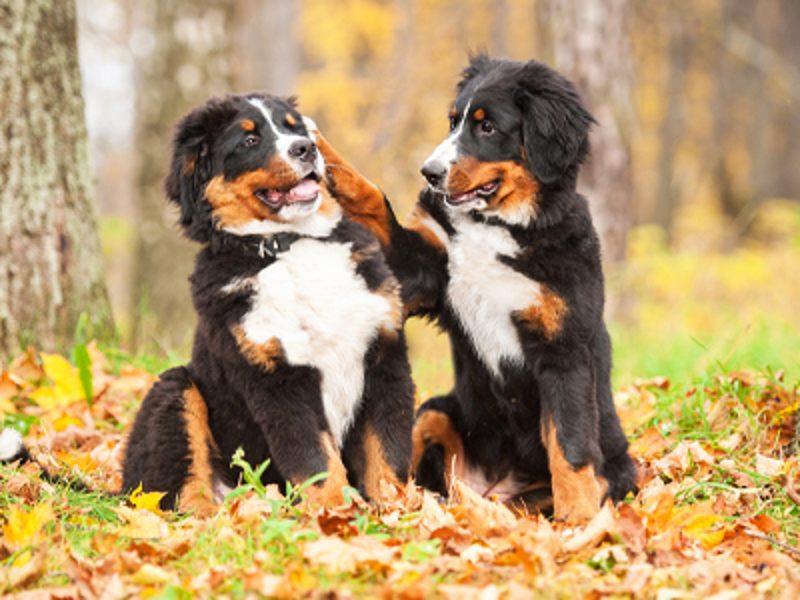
point(434, 172)
point(303, 150)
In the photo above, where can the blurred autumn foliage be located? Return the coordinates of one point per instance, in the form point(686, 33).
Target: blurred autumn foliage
point(696, 103)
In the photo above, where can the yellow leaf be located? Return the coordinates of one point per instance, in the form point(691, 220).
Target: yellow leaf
point(147, 501)
point(150, 575)
point(65, 421)
point(700, 524)
point(23, 527)
point(66, 387)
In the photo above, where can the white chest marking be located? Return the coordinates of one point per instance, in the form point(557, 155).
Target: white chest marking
point(324, 316)
point(484, 292)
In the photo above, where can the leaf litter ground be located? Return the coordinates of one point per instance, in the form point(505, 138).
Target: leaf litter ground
point(717, 515)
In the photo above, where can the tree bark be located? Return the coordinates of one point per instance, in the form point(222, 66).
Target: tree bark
point(190, 62)
point(51, 266)
point(592, 47)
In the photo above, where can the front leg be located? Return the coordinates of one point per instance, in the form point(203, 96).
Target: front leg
point(379, 448)
point(569, 424)
point(286, 403)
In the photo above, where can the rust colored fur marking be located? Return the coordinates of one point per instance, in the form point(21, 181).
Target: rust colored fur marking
point(546, 316)
point(247, 125)
point(267, 356)
point(515, 199)
point(198, 491)
point(433, 427)
point(290, 120)
point(329, 492)
point(576, 493)
point(188, 164)
point(380, 481)
point(361, 199)
point(233, 201)
point(420, 221)
point(480, 114)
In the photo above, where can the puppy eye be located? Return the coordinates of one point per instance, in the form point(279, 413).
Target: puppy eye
point(487, 127)
point(452, 123)
point(251, 140)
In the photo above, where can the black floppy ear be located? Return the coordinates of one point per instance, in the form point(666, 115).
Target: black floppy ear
point(556, 124)
point(191, 164)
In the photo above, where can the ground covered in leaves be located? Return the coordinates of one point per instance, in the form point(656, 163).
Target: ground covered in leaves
point(717, 515)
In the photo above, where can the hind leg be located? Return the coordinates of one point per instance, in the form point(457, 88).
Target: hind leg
point(170, 448)
point(438, 448)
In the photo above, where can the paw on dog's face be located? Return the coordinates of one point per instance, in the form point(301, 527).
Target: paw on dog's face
point(246, 164)
point(514, 127)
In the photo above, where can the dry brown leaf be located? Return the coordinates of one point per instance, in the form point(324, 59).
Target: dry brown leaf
point(631, 529)
point(336, 555)
point(142, 524)
point(487, 519)
point(60, 593)
point(469, 592)
point(602, 525)
point(681, 459)
point(266, 584)
point(768, 467)
point(536, 545)
point(18, 576)
point(433, 516)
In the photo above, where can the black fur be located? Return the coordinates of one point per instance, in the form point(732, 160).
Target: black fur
point(536, 124)
point(268, 405)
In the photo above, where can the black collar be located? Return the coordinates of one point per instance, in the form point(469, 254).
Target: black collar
point(255, 246)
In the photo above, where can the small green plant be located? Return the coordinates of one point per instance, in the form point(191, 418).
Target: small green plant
point(252, 482)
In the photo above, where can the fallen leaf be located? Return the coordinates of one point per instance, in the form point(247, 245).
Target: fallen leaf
point(768, 467)
point(335, 554)
point(29, 571)
point(486, 518)
point(602, 525)
point(23, 527)
point(469, 592)
point(142, 524)
point(150, 575)
point(66, 388)
point(148, 501)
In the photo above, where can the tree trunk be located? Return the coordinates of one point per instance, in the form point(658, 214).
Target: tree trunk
point(591, 46)
point(51, 266)
point(190, 62)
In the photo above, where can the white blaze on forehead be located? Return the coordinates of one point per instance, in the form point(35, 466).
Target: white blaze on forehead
point(446, 153)
point(283, 140)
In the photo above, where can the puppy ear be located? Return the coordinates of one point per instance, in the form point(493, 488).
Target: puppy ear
point(478, 63)
point(191, 163)
point(556, 124)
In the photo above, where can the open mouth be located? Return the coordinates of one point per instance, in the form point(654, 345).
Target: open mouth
point(304, 192)
point(483, 191)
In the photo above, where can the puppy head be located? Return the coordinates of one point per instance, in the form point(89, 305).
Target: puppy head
point(246, 164)
point(514, 127)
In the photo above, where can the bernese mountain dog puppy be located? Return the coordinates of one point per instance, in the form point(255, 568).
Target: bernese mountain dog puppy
point(501, 252)
point(299, 356)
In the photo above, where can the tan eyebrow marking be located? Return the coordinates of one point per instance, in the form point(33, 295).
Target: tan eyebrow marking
point(480, 115)
point(247, 125)
point(291, 120)
point(453, 113)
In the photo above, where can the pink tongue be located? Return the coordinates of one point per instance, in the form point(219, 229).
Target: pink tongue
point(305, 190)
